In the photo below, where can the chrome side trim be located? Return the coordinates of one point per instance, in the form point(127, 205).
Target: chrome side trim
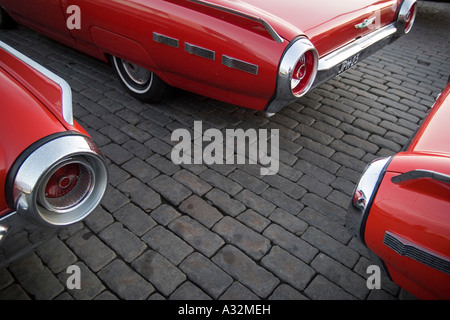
point(160, 38)
point(65, 88)
point(199, 51)
point(240, 65)
point(275, 36)
point(333, 59)
point(419, 174)
point(414, 251)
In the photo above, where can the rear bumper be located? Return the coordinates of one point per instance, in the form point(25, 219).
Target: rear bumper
point(342, 59)
point(337, 62)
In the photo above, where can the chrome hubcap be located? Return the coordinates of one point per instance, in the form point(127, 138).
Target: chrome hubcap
point(136, 73)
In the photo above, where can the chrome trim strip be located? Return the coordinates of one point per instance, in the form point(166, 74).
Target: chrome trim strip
point(414, 251)
point(275, 36)
point(65, 88)
point(419, 174)
point(160, 38)
point(239, 65)
point(199, 51)
point(333, 59)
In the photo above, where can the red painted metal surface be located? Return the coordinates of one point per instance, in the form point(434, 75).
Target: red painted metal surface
point(31, 110)
point(124, 29)
point(418, 209)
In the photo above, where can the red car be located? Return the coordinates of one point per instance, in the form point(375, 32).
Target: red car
point(260, 54)
point(401, 208)
point(51, 172)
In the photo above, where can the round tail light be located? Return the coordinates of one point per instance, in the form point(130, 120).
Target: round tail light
point(60, 182)
point(303, 71)
point(407, 15)
point(66, 186)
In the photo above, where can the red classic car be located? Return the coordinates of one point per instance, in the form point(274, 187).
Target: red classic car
point(260, 54)
point(51, 172)
point(401, 208)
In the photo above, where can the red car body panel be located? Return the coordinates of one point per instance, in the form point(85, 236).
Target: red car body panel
point(52, 174)
point(417, 210)
point(124, 29)
point(37, 113)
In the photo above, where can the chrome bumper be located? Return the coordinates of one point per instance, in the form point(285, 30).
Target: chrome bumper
point(331, 65)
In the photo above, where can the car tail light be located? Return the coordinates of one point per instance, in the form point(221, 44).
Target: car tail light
point(296, 73)
point(66, 186)
point(364, 194)
point(303, 73)
point(407, 15)
point(61, 182)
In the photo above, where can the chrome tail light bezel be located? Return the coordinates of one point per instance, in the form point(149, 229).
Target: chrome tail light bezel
point(364, 195)
point(285, 91)
point(34, 171)
point(406, 16)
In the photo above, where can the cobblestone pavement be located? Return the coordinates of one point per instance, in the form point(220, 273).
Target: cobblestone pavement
point(166, 231)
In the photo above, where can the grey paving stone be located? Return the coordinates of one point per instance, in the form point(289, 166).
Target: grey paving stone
point(255, 202)
point(90, 284)
point(135, 219)
point(56, 255)
point(331, 247)
point(167, 244)
point(198, 236)
point(206, 274)
point(191, 181)
point(290, 242)
point(170, 189)
point(90, 249)
point(224, 202)
point(200, 210)
point(341, 276)
point(322, 289)
point(238, 292)
point(35, 278)
point(246, 271)
point(130, 285)
point(141, 194)
point(188, 291)
point(159, 271)
point(249, 241)
point(288, 268)
point(125, 243)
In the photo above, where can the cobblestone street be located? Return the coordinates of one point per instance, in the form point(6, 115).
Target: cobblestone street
point(197, 231)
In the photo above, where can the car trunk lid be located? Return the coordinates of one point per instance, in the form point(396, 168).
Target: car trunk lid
point(328, 25)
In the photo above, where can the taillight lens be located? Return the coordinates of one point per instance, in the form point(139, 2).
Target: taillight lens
point(66, 186)
point(302, 73)
point(407, 15)
point(410, 17)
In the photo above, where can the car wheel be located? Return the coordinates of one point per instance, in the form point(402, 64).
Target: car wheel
point(6, 22)
point(140, 82)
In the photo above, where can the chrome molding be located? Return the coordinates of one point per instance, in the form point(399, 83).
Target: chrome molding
point(414, 251)
point(275, 36)
point(336, 57)
point(239, 65)
point(160, 38)
point(65, 88)
point(199, 51)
